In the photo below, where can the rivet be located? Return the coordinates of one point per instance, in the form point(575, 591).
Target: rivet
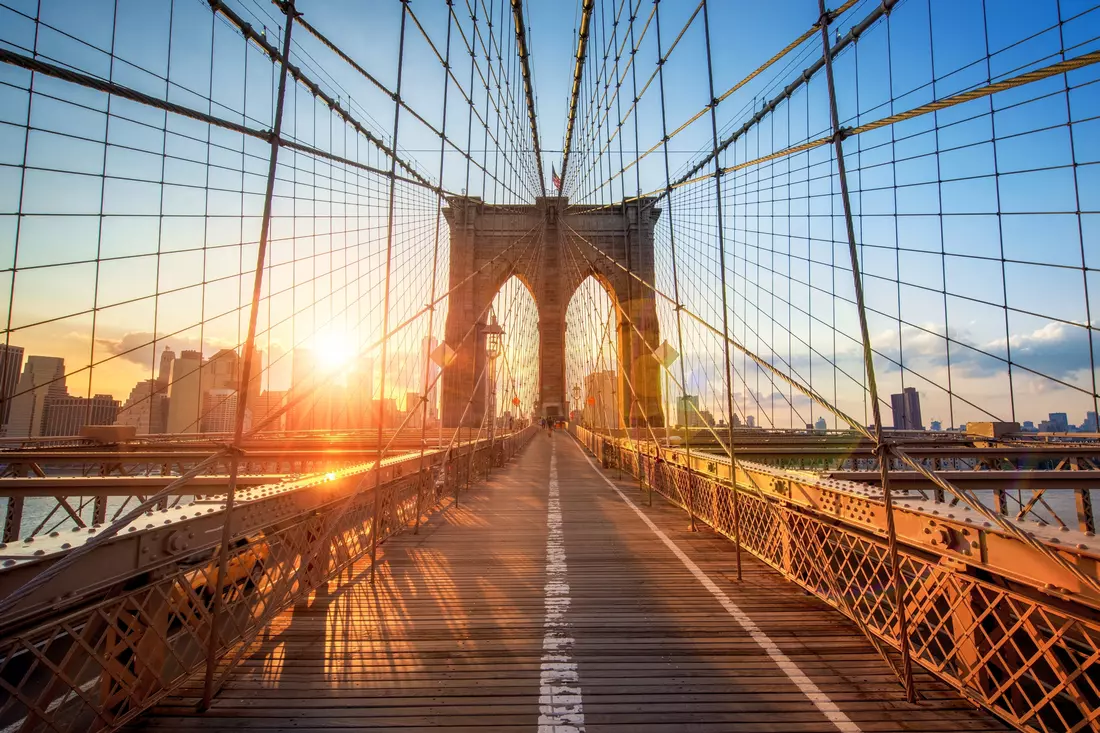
point(39, 552)
point(66, 546)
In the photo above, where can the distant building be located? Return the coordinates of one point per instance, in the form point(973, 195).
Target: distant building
point(192, 379)
point(164, 374)
point(66, 415)
point(360, 391)
point(388, 408)
point(414, 408)
point(906, 409)
point(146, 409)
point(11, 365)
point(312, 397)
point(937, 426)
point(1029, 427)
point(267, 405)
point(821, 424)
point(431, 372)
point(750, 421)
point(43, 377)
point(736, 422)
point(687, 412)
point(1089, 425)
point(185, 393)
point(219, 411)
point(1059, 422)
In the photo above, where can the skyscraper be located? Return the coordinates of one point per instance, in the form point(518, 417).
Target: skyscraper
point(1089, 425)
point(431, 372)
point(219, 411)
point(146, 409)
point(269, 403)
point(164, 374)
point(303, 375)
point(906, 409)
point(687, 412)
point(43, 376)
point(1060, 422)
point(11, 364)
point(360, 391)
point(185, 394)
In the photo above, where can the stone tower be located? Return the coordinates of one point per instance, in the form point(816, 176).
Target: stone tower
point(551, 247)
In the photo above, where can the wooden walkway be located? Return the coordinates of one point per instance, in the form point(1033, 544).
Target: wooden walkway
point(469, 626)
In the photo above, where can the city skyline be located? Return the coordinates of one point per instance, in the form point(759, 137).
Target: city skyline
point(122, 232)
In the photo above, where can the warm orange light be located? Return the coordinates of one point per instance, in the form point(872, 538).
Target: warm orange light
point(333, 352)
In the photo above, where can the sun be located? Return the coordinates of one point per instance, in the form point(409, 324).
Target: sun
point(333, 352)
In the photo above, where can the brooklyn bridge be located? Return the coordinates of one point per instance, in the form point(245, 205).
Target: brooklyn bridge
point(510, 364)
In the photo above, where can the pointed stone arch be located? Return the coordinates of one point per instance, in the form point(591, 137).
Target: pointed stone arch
point(552, 247)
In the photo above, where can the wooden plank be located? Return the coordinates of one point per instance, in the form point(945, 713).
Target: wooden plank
point(450, 635)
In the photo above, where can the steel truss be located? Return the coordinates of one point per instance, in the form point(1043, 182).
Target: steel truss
point(90, 652)
point(984, 613)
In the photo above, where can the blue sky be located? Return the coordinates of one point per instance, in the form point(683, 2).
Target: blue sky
point(934, 254)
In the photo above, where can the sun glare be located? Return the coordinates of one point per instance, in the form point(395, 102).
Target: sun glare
point(333, 352)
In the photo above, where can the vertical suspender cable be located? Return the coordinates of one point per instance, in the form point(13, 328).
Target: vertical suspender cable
point(675, 271)
point(435, 272)
point(380, 416)
point(725, 306)
point(881, 449)
point(246, 370)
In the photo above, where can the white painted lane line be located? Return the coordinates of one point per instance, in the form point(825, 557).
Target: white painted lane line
point(820, 700)
point(560, 705)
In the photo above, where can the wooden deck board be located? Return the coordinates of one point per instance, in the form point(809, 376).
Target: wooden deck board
point(450, 635)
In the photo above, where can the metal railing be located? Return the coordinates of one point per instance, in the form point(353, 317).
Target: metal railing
point(1023, 647)
point(95, 659)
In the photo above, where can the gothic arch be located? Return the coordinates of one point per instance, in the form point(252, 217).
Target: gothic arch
point(489, 243)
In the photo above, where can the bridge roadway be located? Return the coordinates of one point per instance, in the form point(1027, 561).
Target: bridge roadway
point(623, 620)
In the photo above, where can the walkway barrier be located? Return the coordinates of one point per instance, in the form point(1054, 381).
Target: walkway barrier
point(96, 660)
point(1026, 650)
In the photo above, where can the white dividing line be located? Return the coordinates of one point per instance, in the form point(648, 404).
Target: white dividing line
point(827, 707)
point(560, 705)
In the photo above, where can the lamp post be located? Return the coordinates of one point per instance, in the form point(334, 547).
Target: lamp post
point(494, 347)
point(577, 407)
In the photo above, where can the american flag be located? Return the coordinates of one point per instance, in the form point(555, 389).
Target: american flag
point(555, 178)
